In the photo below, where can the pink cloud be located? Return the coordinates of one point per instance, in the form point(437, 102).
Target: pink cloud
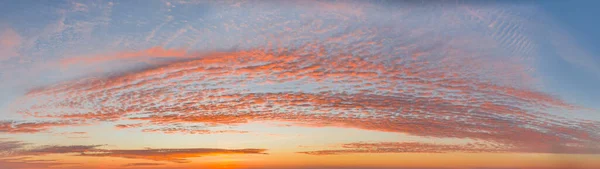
point(10, 41)
point(424, 87)
point(142, 55)
point(399, 98)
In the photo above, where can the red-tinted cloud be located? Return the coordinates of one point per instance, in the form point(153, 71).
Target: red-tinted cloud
point(33, 127)
point(422, 86)
point(405, 96)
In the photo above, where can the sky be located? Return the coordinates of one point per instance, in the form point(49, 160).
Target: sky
point(299, 84)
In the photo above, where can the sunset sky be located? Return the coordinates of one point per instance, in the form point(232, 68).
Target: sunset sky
point(299, 84)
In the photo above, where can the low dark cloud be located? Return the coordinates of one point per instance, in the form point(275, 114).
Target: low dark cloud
point(20, 149)
point(142, 164)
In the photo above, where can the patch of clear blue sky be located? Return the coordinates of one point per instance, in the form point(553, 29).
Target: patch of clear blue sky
point(579, 18)
point(28, 14)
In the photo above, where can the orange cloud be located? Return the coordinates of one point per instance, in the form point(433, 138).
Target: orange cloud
point(399, 99)
point(124, 126)
point(431, 89)
point(396, 79)
point(33, 127)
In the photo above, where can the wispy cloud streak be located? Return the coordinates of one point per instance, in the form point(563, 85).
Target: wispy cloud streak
point(417, 147)
point(34, 126)
point(20, 149)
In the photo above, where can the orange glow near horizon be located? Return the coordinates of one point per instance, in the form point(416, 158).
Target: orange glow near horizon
point(179, 84)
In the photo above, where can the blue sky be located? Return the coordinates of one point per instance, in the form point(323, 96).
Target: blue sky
point(370, 81)
point(575, 81)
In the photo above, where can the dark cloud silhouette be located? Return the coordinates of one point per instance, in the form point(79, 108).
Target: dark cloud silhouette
point(20, 149)
point(142, 164)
